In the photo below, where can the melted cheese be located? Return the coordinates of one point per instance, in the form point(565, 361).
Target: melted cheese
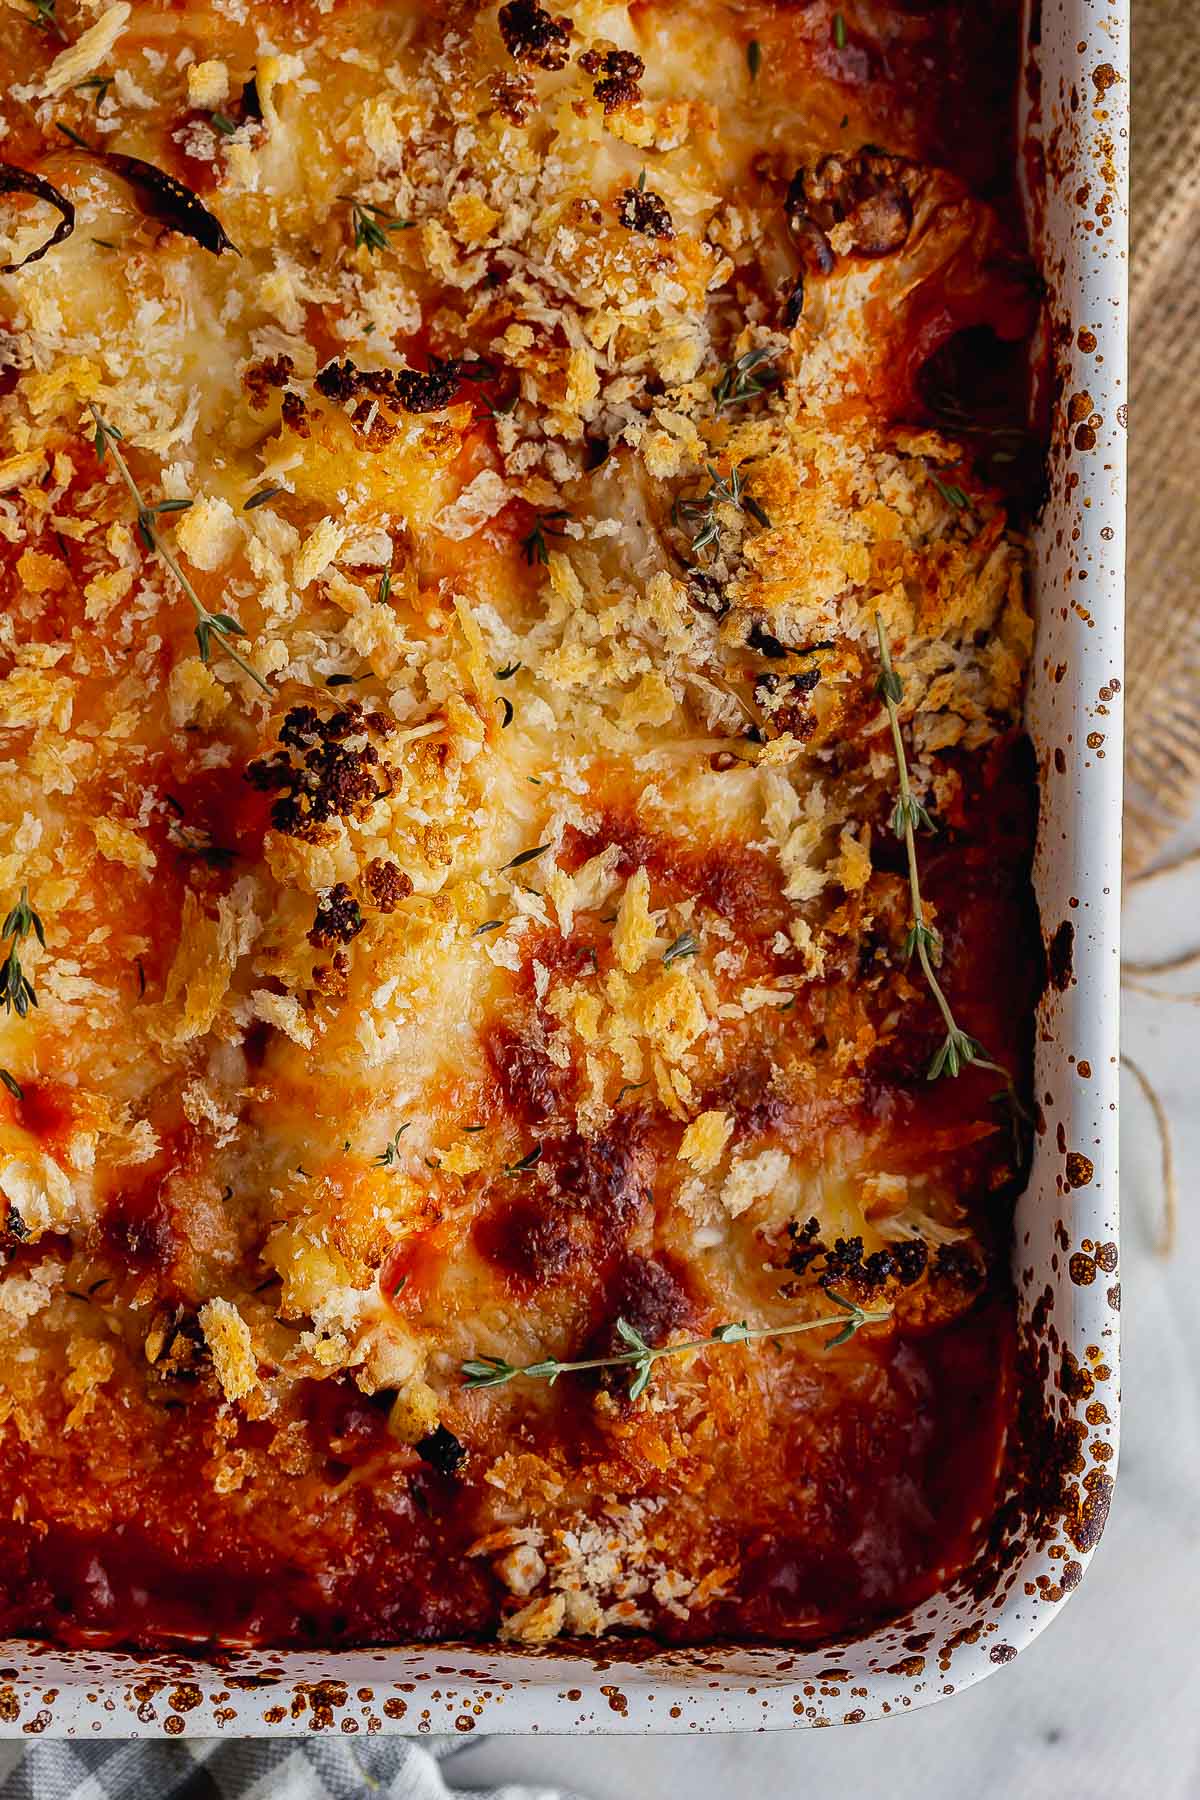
point(551, 822)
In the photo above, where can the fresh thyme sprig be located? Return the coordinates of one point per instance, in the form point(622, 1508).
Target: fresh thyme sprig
point(209, 625)
point(372, 224)
point(640, 1358)
point(44, 18)
point(16, 989)
point(390, 1157)
point(751, 375)
point(722, 491)
point(97, 84)
point(958, 1049)
point(533, 546)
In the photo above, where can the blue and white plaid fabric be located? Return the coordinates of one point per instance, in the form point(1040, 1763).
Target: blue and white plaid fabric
point(241, 1769)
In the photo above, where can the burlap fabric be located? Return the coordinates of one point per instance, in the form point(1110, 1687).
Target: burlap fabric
point(1162, 685)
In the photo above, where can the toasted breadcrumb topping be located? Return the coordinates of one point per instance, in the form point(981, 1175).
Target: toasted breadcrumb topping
point(529, 950)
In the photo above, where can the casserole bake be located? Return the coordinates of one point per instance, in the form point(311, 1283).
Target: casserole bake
point(786, 723)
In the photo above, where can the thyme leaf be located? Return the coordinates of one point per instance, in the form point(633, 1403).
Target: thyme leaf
point(742, 380)
point(526, 1163)
point(209, 625)
point(533, 546)
point(953, 496)
point(372, 224)
point(390, 1156)
point(704, 512)
point(16, 990)
point(640, 1357)
point(958, 1049)
point(525, 856)
point(44, 18)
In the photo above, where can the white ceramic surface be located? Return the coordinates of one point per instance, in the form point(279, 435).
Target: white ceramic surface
point(1067, 1288)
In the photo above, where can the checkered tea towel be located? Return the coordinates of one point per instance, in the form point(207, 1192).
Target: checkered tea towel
point(241, 1769)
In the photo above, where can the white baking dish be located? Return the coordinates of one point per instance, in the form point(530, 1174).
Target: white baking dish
point(1066, 1228)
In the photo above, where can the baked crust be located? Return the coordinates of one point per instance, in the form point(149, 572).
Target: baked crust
point(523, 950)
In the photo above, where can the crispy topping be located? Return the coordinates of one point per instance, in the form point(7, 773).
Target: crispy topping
point(514, 96)
point(317, 774)
point(338, 919)
point(386, 883)
point(641, 209)
point(533, 37)
point(617, 73)
point(268, 372)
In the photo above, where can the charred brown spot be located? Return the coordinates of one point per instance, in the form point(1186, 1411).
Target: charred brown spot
point(386, 883)
point(533, 37)
point(333, 978)
point(405, 390)
point(138, 1229)
point(15, 1228)
point(427, 392)
point(318, 774)
point(338, 919)
point(866, 192)
point(533, 1087)
point(175, 1345)
point(513, 97)
point(534, 1242)
point(607, 1177)
point(785, 702)
point(647, 1293)
point(441, 1450)
point(294, 414)
point(641, 209)
point(618, 73)
point(267, 373)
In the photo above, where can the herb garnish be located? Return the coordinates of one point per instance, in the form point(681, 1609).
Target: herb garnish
point(685, 945)
point(525, 856)
point(16, 989)
point(223, 123)
point(12, 1084)
point(493, 1371)
point(533, 546)
point(958, 1049)
point(727, 491)
point(526, 1163)
point(740, 383)
point(953, 496)
point(488, 925)
point(372, 224)
point(628, 1087)
point(387, 1159)
point(383, 592)
point(754, 58)
point(209, 625)
point(260, 497)
point(839, 31)
point(507, 671)
point(509, 713)
point(44, 19)
point(101, 84)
